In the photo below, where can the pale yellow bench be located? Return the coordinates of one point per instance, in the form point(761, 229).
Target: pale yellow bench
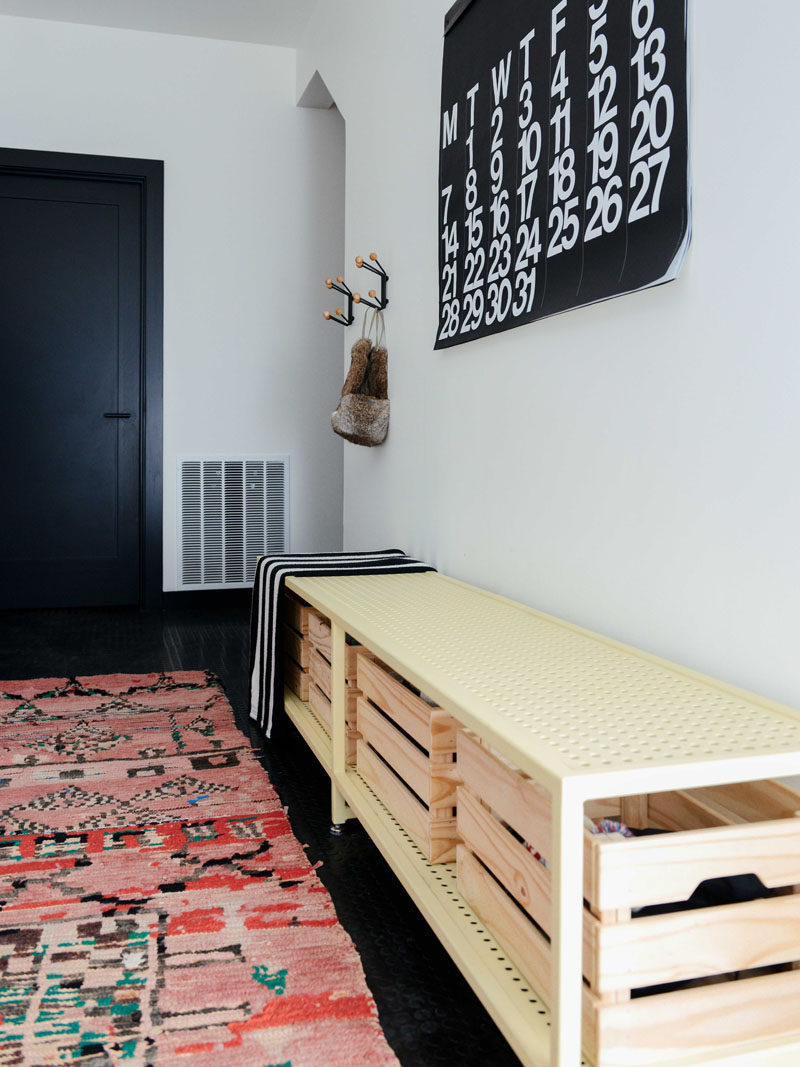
point(573, 717)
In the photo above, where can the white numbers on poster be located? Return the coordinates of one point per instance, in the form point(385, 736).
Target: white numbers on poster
point(653, 116)
point(564, 223)
point(475, 258)
point(563, 126)
point(604, 207)
point(529, 146)
point(499, 293)
point(451, 305)
point(450, 302)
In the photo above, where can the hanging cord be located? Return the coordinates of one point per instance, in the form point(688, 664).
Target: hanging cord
point(380, 329)
point(366, 331)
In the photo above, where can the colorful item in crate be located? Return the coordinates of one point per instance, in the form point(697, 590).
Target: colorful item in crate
point(266, 682)
point(609, 827)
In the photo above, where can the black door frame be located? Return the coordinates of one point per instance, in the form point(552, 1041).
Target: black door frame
point(148, 175)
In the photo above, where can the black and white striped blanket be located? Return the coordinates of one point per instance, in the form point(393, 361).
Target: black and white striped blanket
point(266, 682)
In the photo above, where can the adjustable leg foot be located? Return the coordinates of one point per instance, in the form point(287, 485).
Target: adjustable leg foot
point(339, 811)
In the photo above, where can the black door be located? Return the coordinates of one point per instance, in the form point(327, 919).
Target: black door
point(70, 391)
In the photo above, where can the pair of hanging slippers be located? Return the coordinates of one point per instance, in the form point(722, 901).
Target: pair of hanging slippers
point(363, 412)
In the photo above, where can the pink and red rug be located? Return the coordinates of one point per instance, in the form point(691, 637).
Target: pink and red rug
point(155, 907)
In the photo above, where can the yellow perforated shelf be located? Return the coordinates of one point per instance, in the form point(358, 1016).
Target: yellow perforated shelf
point(518, 1011)
point(525, 1020)
point(560, 699)
point(310, 728)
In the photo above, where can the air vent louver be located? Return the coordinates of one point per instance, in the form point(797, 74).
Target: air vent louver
point(231, 511)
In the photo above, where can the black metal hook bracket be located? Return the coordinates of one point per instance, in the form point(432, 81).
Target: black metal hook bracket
point(372, 299)
point(341, 287)
point(383, 299)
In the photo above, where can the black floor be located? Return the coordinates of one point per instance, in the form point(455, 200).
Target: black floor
point(428, 1012)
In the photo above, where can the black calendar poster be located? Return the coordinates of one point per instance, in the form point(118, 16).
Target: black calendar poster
point(563, 157)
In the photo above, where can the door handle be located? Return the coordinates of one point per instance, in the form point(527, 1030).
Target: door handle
point(117, 415)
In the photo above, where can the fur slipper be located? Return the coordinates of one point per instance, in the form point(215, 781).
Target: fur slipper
point(364, 420)
point(359, 363)
point(376, 380)
point(363, 412)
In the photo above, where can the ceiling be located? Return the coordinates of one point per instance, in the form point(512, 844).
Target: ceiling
point(275, 22)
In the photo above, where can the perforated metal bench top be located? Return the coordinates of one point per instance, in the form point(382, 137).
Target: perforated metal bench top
point(559, 699)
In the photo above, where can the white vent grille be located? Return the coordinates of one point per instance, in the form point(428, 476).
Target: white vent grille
point(231, 511)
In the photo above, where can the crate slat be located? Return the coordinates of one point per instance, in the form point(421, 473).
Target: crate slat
point(680, 811)
point(294, 645)
point(524, 805)
point(608, 808)
point(409, 712)
point(319, 633)
point(669, 867)
point(751, 801)
point(712, 1018)
point(412, 765)
point(295, 678)
point(436, 837)
point(400, 801)
point(320, 668)
point(320, 671)
point(684, 945)
point(635, 811)
point(524, 877)
point(324, 705)
point(295, 613)
point(321, 707)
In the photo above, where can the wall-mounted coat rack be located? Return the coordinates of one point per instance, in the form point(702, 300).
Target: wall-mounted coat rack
point(341, 287)
point(371, 300)
point(383, 300)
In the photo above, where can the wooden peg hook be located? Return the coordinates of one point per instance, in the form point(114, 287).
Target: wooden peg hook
point(377, 302)
point(340, 317)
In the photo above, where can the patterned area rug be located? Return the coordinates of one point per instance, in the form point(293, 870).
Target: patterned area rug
point(155, 907)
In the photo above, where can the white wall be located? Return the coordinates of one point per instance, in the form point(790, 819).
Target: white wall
point(632, 466)
point(253, 223)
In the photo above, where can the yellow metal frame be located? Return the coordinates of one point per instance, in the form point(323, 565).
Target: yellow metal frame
point(586, 716)
point(311, 729)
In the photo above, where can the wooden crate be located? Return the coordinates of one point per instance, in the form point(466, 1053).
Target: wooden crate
point(294, 645)
point(319, 670)
point(295, 678)
point(736, 963)
point(319, 693)
point(319, 629)
point(319, 636)
point(295, 613)
point(295, 648)
point(406, 755)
